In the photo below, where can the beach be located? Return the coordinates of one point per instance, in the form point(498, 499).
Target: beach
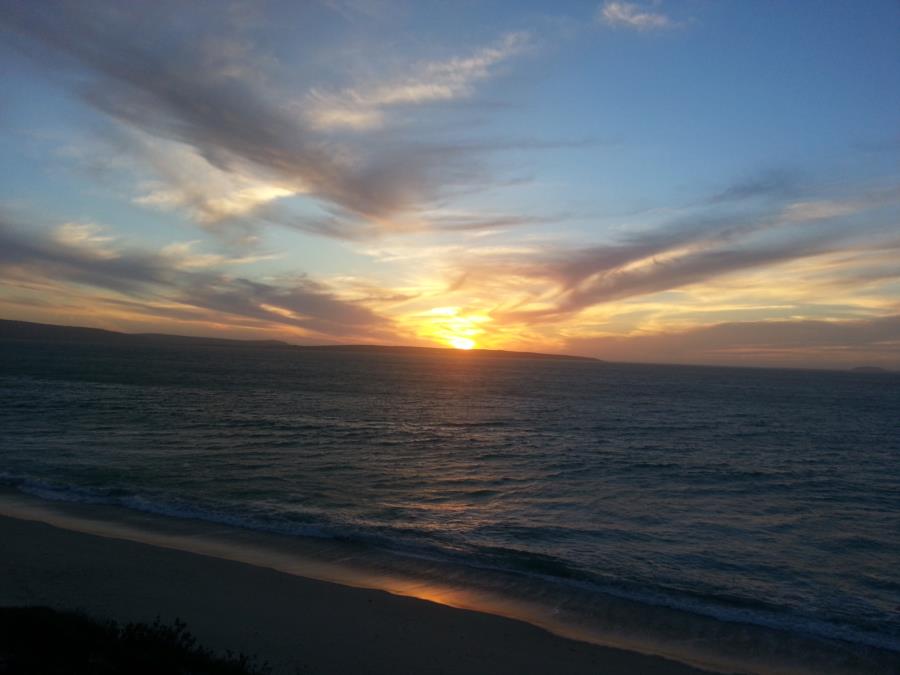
point(376, 336)
point(650, 509)
point(297, 624)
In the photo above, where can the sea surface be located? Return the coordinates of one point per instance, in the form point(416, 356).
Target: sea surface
point(750, 497)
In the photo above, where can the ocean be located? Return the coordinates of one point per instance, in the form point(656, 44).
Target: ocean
point(738, 518)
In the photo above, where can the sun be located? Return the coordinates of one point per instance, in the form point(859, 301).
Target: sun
point(451, 326)
point(461, 342)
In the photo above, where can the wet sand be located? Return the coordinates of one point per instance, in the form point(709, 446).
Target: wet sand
point(295, 623)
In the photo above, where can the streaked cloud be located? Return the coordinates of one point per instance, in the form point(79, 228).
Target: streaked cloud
point(177, 277)
point(774, 183)
point(178, 177)
point(365, 9)
point(364, 108)
point(87, 238)
point(221, 142)
point(800, 212)
point(632, 15)
point(557, 283)
point(183, 254)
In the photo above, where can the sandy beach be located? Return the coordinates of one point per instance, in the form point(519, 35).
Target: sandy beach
point(297, 624)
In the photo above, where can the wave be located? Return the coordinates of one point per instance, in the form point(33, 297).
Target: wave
point(172, 508)
point(520, 572)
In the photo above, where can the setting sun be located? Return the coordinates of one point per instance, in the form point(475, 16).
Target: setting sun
point(461, 343)
point(453, 326)
point(240, 242)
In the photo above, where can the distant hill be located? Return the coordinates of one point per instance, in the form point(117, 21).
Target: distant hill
point(869, 369)
point(494, 353)
point(42, 332)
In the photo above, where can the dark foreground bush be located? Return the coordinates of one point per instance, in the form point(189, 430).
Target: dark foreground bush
point(42, 641)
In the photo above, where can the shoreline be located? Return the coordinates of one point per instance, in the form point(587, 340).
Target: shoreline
point(295, 623)
point(622, 625)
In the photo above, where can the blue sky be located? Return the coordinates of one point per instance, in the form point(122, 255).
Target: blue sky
point(698, 181)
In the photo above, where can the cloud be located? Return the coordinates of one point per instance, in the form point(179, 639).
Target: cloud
point(220, 141)
point(363, 108)
point(184, 256)
point(827, 209)
point(180, 178)
point(632, 15)
point(176, 277)
point(800, 212)
point(361, 9)
point(486, 223)
point(86, 237)
point(777, 183)
point(556, 283)
point(823, 344)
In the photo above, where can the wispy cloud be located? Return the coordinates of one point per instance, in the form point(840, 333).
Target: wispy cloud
point(178, 177)
point(183, 254)
point(87, 238)
point(178, 277)
point(364, 108)
point(556, 283)
point(365, 9)
point(222, 144)
point(632, 15)
point(774, 183)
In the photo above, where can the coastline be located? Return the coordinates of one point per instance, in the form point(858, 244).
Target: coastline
point(101, 533)
point(296, 623)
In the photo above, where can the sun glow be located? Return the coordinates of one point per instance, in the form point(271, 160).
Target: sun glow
point(461, 342)
point(452, 326)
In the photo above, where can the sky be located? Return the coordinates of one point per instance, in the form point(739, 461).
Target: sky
point(700, 181)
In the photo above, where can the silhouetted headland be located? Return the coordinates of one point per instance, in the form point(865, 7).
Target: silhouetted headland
point(42, 332)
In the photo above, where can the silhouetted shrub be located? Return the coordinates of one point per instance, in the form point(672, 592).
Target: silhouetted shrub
point(42, 641)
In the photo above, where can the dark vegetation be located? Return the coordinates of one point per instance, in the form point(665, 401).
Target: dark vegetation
point(42, 641)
